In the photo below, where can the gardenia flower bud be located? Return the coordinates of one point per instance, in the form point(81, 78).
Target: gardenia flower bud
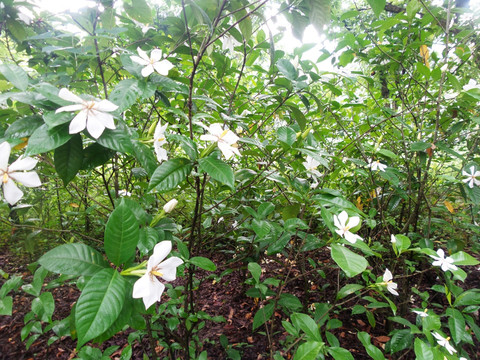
point(169, 206)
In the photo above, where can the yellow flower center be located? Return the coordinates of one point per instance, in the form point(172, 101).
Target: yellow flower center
point(160, 139)
point(156, 273)
point(5, 178)
point(223, 133)
point(90, 105)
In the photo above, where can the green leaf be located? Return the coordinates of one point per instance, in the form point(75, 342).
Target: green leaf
point(261, 227)
point(44, 140)
point(99, 305)
point(469, 297)
point(298, 116)
point(287, 69)
point(263, 315)
point(11, 284)
point(245, 25)
point(309, 350)
point(139, 10)
point(145, 156)
point(307, 325)
point(15, 75)
point(420, 146)
point(121, 235)
point(462, 258)
point(6, 305)
point(68, 159)
point(401, 339)
point(456, 324)
point(374, 352)
point(290, 302)
point(73, 259)
point(377, 6)
point(117, 139)
point(16, 29)
point(218, 170)
point(24, 127)
point(423, 351)
point(170, 174)
point(348, 261)
point(348, 290)
point(339, 353)
point(203, 263)
point(286, 135)
point(255, 270)
point(187, 144)
point(125, 94)
point(265, 209)
point(96, 155)
point(43, 306)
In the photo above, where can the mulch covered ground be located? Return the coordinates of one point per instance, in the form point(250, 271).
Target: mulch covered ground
point(223, 296)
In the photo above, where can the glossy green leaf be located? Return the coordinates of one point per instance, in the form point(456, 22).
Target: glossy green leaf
point(43, 306)
point(374, 352)
point(218, 170)
point(339, 353)
point(16, 75)
point(170, 174)
point(255, 270)
point(139, 10)
point(377, 6)
point(44, 140)
point(121, 235)
point(348, 290)
point(286, 135)
point(287, 69)
point(423, 351)
point(263, 315)
point(203, 263)
point(117, 139)
point(73, 259)
point(24, 127)
point(99, 305)
point(125, 94)
point(68, 159)
point(187, 144)
point(308, 350)
point(307, 325)
point(351, 263)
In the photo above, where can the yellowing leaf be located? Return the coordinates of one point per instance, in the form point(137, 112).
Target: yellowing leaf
point(22, 144)
point(425, 55)
point(449, 206)
point(359, 204)
point(73, 205)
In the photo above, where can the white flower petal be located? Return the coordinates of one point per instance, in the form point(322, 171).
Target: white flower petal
point(5, 150)
point(27, 163)
point(139, 60)
point(95, 128)
point(160, 252)
point(67, 95)
point(226, 150)
point(11, 192)
point(208, 137)
point(75, 107)
point(155, 55)
point(103, 118)
point(163, 67)
point(143, 55)
point(147, 70)
point(342, 218)
point(387, 276)
point(168, 268)
point(105, 106)
point(29, 179)
point(78, 123)
point(353, 221)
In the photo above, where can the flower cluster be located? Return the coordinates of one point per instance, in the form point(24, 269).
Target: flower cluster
point(16, 172)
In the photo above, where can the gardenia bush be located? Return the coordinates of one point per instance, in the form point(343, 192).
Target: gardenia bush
point(164, 135)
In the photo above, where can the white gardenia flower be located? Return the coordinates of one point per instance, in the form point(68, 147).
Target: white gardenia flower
point(344, 224)
point(422, 314)
point(169, 206)
point(225, 138)
point(15, 172)
point(311, 165)
point(393, 239)
point(376, 165)
point(471, 178)
point(158, 142)
point(444, 342)
point(472, 84)
point(93, 115)
point(148, 286)
point(445, 263)
point(152, 63)
point(228, 43)
point(388, 280)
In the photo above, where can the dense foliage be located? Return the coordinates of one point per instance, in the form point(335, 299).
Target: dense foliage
point(131, 129)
